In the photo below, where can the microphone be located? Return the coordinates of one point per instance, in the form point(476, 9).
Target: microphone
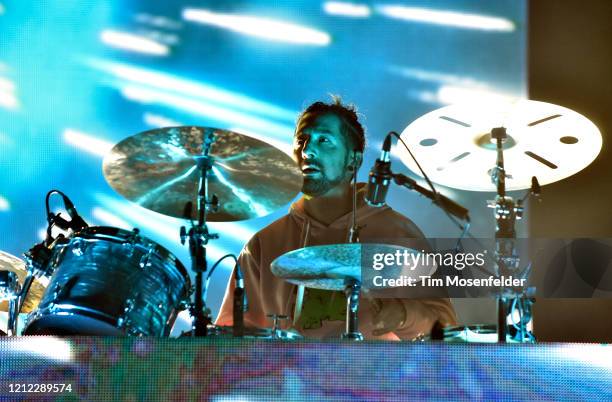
point(240, 304)
point(76, 223)
point(380, 176)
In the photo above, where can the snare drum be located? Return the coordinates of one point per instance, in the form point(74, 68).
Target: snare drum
point(109, 281)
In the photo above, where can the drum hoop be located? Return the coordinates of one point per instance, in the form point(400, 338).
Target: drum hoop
point(121, 236)
point(69, 309)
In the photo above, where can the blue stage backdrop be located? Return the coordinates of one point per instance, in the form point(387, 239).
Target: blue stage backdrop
point(77, 77)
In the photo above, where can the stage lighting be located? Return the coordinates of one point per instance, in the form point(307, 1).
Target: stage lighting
point(87, 142)
point(134, 43)
point(447, 18)
point(353, 10)
point(260, 27)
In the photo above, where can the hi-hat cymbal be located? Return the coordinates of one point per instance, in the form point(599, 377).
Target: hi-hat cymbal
point(329, 266)
point(10, 263)
point(454, 147)
point(158, 170)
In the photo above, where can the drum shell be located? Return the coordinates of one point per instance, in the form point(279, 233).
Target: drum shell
point(109, 281)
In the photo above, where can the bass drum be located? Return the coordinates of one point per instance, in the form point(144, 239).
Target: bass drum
point(109, 281)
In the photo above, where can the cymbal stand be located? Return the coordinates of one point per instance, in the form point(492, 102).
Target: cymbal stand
point(199, 236)
point(506, 214)
point(353, 286)
point(12, 291)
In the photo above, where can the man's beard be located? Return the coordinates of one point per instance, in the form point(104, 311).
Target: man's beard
point(315, 187)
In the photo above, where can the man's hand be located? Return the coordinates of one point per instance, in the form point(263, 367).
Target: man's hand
point(389, 315)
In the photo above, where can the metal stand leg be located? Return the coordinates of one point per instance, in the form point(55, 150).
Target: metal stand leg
point(352, 308)
point(502, 314)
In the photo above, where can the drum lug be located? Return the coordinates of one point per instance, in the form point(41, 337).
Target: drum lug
point(145, 260)
point(80, 246)
point(124, 321)
point(57, 260)
point(184, 304)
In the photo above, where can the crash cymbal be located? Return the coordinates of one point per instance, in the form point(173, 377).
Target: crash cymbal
point(453, 144)
point(158, 170)
point(329, 266)
point(9, 263)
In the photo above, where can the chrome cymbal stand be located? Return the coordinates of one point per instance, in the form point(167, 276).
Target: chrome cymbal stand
point(353, 286)
point(508, 262)
point(198, 236)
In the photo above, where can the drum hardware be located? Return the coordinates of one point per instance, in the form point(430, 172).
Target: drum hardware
point(352, 285)
point(508, 263)
point(9, 291)
point(538, 139)
point(276, 330)
point(215, 331)
point(39, 256)
point(145, 259)
point(352, 290)
point(198, 235)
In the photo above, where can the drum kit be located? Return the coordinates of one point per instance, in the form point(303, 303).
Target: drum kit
point(110, 281)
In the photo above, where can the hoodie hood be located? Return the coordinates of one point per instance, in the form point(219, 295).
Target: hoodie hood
point(364, 211)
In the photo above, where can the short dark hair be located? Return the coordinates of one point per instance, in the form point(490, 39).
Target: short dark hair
point(348, 115)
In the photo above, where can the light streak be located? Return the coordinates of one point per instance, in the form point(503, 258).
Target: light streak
point(347, 9)
point(219, 113)
point(156, 120)
point(447, 18)
point(109, 218)
point(132, 42)
point(87, 142)
point(260, 27)
point(194, 89)
point(5, 205)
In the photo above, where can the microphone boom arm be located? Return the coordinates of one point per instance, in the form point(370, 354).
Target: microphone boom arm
point(438, 199)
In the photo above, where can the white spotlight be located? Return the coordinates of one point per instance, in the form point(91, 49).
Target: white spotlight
point(4, 204)
point(347, 9)
point(87, 142)
point(264, 28)
point(109, 218)
point(158, 121)
point(448, 18)
point(135, 43)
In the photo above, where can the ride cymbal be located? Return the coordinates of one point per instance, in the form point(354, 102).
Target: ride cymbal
point(160, 170)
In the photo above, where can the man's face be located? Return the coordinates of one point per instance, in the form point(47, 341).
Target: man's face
point(322, 152)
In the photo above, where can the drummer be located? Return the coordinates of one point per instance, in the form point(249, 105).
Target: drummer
point(328, 146)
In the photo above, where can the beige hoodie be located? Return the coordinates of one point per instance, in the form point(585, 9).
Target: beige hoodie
point(268, 294)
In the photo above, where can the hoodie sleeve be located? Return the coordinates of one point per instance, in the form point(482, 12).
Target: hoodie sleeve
point(255, 316)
